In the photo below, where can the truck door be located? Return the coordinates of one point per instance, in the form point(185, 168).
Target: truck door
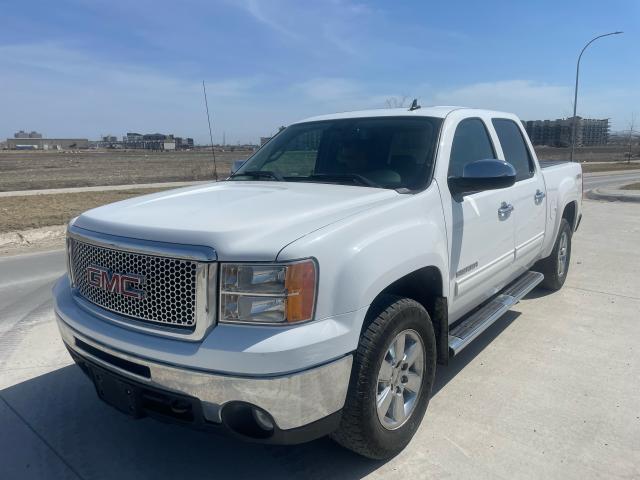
point(482, 228)
point(528, 193)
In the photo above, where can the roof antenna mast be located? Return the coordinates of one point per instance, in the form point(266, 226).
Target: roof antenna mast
point(213, 153)
point(414, 105)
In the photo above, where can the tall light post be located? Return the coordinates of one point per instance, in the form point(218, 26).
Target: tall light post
point(575, 94)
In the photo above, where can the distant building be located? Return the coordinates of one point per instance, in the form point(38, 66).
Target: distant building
point(39, 143)
point(23, 134)
point(557, 133)
point(156, 141)
point(264, 140)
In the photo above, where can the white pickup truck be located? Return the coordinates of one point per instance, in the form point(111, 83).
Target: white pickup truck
point(314, 291)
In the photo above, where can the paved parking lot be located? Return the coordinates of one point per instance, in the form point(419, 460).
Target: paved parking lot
point(550, 391)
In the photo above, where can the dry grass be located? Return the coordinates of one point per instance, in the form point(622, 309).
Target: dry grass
point(632, 186)
point(609, 167)
point(20, 213)
point(29, 170)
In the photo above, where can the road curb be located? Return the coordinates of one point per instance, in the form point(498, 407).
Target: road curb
point(32, 237)
point(613, 195)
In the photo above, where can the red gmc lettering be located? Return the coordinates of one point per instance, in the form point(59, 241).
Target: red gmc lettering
point(121, 283)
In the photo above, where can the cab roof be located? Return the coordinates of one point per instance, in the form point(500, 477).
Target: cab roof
point(432, 111)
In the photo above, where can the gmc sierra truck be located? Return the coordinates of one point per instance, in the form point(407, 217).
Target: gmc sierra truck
point(314, 291)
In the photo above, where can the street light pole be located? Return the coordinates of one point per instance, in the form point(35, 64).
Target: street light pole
point(575, 92)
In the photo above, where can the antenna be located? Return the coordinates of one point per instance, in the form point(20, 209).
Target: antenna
point(213, 153)
point(414, 105)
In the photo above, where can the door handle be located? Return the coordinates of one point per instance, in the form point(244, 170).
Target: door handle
point(504, 210)
point(539, 196)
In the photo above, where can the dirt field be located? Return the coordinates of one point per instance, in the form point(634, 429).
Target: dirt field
point(29, 170)
point(606, 153)
point(609, 167)
point(21, 213)
point(36, 170)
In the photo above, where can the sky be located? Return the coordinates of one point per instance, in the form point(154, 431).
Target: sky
point(81, 68)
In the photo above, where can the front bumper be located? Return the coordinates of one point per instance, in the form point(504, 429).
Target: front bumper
point(293, 400)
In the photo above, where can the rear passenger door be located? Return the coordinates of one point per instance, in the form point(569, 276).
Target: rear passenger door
point(528, 193)
point(482, 240)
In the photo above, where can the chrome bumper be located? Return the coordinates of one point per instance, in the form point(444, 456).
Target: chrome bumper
point(293, 400)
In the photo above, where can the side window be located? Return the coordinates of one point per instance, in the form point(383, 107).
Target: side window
point(514, 147)
point(470, 142)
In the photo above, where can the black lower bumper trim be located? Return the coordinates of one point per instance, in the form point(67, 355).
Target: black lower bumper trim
point(138, 400)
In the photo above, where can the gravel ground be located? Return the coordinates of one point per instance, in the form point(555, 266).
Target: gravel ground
point(32, 170)
point(29, 170)
point(20, 213)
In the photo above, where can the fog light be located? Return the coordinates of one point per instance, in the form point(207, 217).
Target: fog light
point(262, 419)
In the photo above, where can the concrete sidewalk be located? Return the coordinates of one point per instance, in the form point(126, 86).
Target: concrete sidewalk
point(549, 391)
point(613, 194)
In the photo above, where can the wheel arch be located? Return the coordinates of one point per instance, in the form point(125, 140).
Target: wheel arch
point(570, 213)
point(425, 286)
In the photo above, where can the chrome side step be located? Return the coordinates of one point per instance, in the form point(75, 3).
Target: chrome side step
point(477, 322)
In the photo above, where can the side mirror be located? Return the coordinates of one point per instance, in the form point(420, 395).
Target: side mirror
point(482, 175)
point(236, 165)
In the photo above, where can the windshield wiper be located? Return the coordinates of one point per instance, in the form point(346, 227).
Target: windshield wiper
point(260, 174)
point(340, 177)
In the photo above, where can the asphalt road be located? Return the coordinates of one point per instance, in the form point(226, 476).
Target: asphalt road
point(609, 179)
point(549, 391)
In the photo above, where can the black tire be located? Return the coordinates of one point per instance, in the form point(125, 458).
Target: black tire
point(360, 429)
point(553, 278)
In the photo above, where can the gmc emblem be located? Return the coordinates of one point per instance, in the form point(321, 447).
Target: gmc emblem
point(121, 283)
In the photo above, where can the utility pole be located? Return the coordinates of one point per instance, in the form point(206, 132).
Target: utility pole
point(575, 93)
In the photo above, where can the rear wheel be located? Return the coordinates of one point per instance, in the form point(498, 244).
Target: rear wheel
point(556, 266)
point(391, 380)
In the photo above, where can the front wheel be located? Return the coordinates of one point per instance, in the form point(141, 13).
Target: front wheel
point(391, 380)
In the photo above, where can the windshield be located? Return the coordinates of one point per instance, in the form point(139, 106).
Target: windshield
point(384, 152)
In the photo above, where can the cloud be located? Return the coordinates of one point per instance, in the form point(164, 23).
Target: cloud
point(312, 26)
point(68, 93)
point(329, 89)
point(256, 10)
point(526, 98)
point(534, 100)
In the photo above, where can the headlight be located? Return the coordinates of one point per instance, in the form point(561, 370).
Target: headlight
point(268, 293)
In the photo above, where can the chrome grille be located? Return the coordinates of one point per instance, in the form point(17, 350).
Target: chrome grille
point(169, 286)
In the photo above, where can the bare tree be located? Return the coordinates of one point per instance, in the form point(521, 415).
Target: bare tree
point(631, 126)
point(396, 102)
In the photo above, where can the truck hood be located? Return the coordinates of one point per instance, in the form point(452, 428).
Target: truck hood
point(250, 221)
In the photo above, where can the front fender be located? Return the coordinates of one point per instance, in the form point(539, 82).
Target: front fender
point(361, 255)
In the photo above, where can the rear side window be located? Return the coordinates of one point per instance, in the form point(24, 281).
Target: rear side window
point(514, 147)
point(470, 142)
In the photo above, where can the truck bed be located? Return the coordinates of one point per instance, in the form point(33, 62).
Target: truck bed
point(551, 163)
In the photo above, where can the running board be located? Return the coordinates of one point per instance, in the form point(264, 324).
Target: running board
point(477, 322)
